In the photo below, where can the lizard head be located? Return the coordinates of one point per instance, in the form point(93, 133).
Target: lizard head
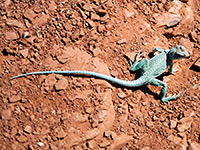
point(179, 52)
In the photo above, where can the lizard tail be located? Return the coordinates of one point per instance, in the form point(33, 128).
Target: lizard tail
point(135, 83)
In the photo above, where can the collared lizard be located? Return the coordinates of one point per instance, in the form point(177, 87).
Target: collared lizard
point(150, 69)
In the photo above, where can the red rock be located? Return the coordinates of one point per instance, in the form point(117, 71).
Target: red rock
point(187, 44)
point(101, 12)
point(184, 124)
point(14, 98)
point(100, 28)
point(24, 52)
point(194, 146)
point(173, 124)
point(91, 134)
point(198, 38)
point(80, 118)
point(12, 22)
point(28, 129)
point(104, 144)
point(29, 14)
point(61, 134)
point(122, 41)
point(7, 3)
point(91, 23)
point(194, 36)
point(61, 84)
point(11, 35)
point(168, 19)
point(174, 139)
point(197, 62)
point(22, 138)
point(95, 17)
point(6, 114)
point(75, 35)
point(41, 20)
point(120, 140)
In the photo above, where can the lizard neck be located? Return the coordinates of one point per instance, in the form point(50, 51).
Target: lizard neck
point(170, 54)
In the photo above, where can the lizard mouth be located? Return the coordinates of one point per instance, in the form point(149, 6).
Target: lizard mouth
point(187, 56)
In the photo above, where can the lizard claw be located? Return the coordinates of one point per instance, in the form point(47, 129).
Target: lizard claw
point(131, 63)
point(166, 99)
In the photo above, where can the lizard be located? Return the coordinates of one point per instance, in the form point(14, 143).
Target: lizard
point(150, 69)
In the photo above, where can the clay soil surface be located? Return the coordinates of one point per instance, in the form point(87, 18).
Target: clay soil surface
point(78, 112)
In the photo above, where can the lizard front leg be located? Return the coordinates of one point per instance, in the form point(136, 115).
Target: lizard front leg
point(137, 65)
point(143, 64)
point(171, 70)
point(162, 84)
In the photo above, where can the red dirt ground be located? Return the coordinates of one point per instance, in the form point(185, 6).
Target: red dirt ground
point(65, 112)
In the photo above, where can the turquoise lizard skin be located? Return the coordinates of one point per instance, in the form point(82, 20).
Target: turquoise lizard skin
point(150, 69)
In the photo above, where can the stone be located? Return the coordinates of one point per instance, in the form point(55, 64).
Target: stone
point(13, 22)
point(6, 114)
point(145, 148)
point(41, 20)
point(101, 115)
point(61, 84)
point(120, 140)
point(172, 124)
point(100, 28)
point(61, 134)
point(28, 129)
point(14, 98)
point(197, 62)
point(104, 144)
point(11, 35)
point(184, 124)
point(91, 134)
point(30, 14)
point(101, 12)
point(187, 44)
point(95, 17)
point(7, 3)
point(128, 14)
point(189, 113)
point(91, 23)
point(122, 41)
point(174, 139)
point(194, 146)
point(198, 38)
point(78, 117)
point(193, 35)
point(40, 144)
point(75, 35)
point(130, 55)
point(121, 94)
point(168, 19)
point(24, 52)
point(22, 138)
point(91, 144)
point(13, 132)
point(96, 51)
point(149, 124)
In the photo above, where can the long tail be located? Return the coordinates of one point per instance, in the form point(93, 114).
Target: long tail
point(135, 83)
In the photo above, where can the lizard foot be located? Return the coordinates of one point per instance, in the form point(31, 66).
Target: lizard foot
point(166, 99)
point(174, 70)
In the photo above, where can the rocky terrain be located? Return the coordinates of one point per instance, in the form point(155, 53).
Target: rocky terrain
point(77, 112)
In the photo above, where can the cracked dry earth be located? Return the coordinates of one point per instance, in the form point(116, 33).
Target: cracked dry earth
point(77, 112)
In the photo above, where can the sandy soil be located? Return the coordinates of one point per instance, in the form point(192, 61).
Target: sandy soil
point(66, 112)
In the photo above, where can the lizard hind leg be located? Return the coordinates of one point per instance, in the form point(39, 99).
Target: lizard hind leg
point(162, 84)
